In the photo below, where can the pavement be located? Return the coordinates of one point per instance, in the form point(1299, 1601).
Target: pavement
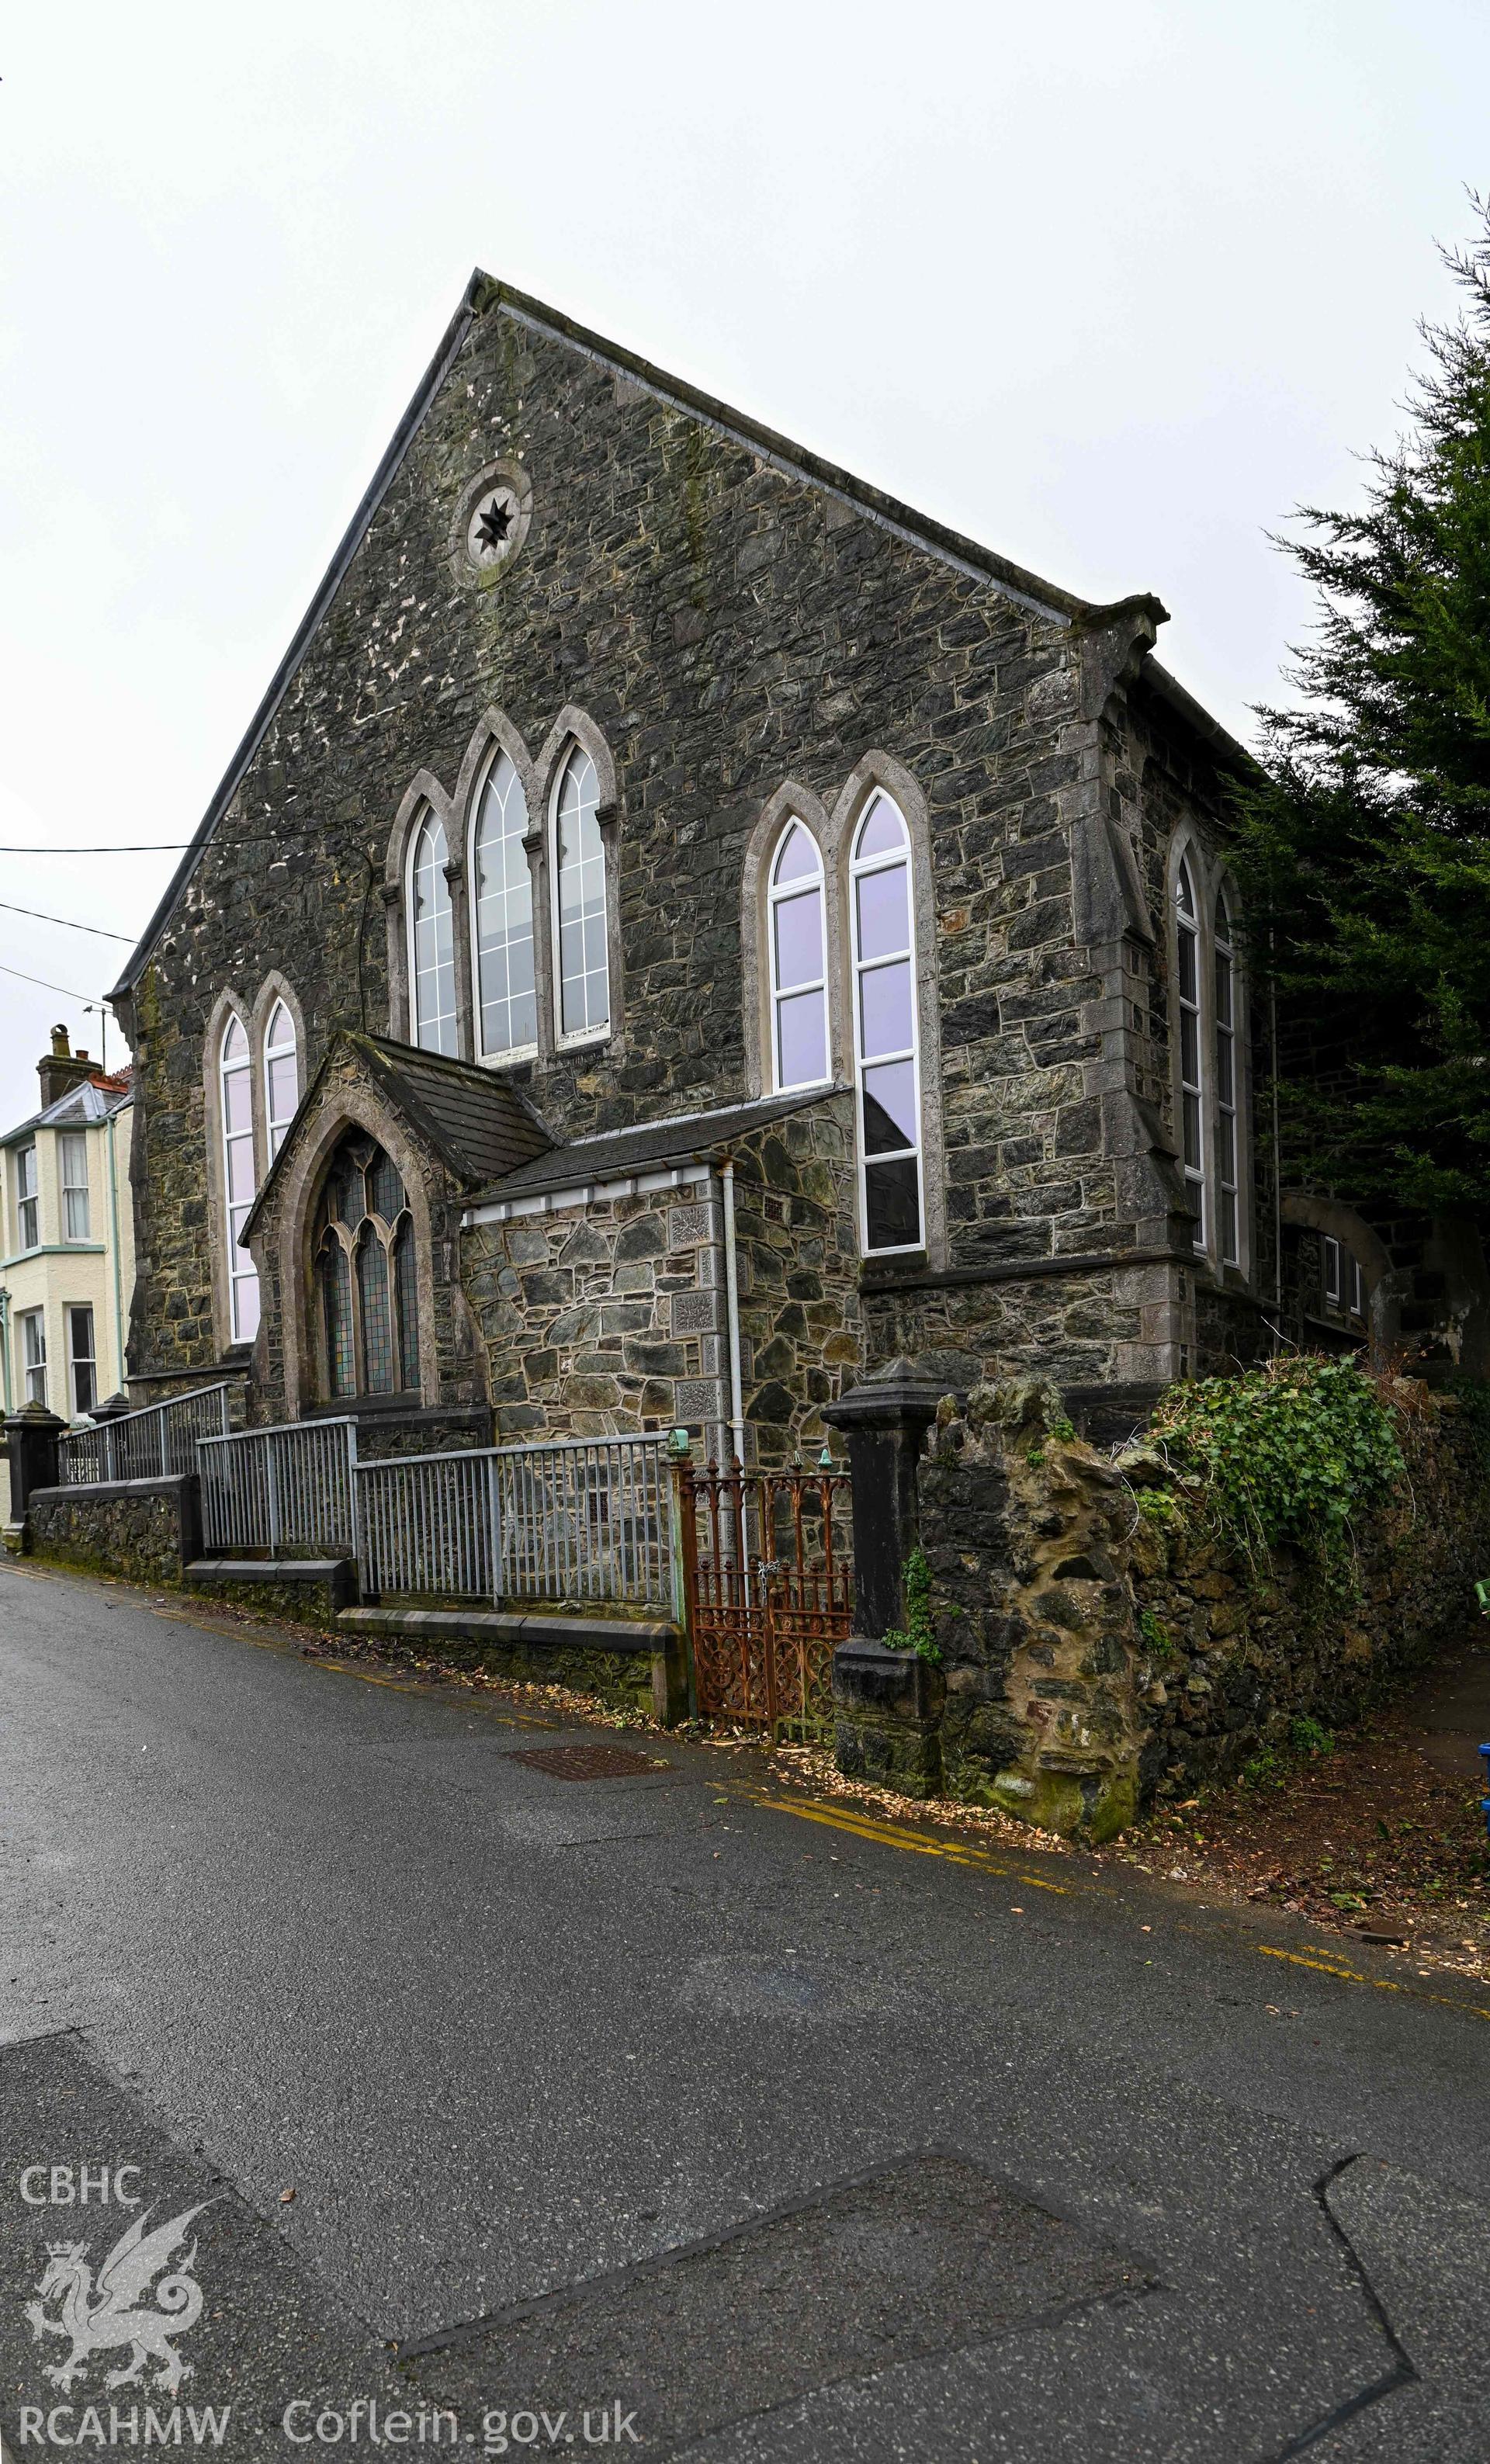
point(668, 2113)
point(1451, 1709)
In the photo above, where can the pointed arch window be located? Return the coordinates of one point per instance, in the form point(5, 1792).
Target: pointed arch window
point(796, 927)
point(507, 1006)
point(887, 1044)
point(1192, 1083)
point(1227, 1160)
point(365, 1275)
point(583, 967)
point(281, 1076)
point(235, 1107)
point(432, 939)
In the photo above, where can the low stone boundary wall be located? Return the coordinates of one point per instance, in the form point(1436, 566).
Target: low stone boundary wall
point(147, 1531)
point(308, 1591)
point(628, 1663)
point(1099, 1647)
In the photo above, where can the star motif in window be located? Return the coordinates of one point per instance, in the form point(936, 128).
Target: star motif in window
point(491, 531)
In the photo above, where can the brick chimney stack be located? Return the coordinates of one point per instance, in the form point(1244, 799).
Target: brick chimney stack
point(62, 1069)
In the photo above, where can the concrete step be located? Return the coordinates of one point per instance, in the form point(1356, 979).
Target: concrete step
point(324, 1584)
point(518, 1629)
point(268, 1569)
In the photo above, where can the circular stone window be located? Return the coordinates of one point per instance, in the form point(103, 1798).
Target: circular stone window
point(491, 519)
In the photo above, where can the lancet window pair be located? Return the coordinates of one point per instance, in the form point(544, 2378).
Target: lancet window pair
point(505, 990)
point(882, 997)
point(275, 1061)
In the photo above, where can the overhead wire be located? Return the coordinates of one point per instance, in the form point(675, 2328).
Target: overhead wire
point(95, 1000)
point(146, 846)
point(73, 926)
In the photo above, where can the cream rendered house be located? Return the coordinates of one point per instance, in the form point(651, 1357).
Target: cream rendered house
point(67, 1252)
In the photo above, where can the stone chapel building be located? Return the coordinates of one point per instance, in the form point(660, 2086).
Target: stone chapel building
point(683, 931)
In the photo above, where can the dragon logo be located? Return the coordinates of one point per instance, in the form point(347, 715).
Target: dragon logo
point(99, 2316)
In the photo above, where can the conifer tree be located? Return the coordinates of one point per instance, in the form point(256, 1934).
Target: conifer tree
point(1364, 853)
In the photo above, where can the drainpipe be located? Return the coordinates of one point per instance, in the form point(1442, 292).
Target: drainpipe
point(5, 1347)
point(731, 1305)
point(119, 1298)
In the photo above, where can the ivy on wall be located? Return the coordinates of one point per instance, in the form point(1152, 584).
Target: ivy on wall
point(918, 1633)
point(1295, 1451)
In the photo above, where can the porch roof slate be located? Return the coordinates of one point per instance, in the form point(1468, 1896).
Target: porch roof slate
point(478, 1124)
point(612, 1155)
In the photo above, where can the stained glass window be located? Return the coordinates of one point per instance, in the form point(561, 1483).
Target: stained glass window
point(385, 1189)
point(372, 1283)
point(365, 1265)
point(336, 1284)
point(407, 1298)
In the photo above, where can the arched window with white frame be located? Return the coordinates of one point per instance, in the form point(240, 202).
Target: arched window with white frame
point(235, 1106)
point(282, 1075)
point(1192, 1082)
point(507, 1004)
point(581, 964)
point(432, 934)
point(1228, 1179)
point(796, 938)
point(887, 1048)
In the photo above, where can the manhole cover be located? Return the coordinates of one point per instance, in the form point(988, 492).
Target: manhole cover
point(588, 1761)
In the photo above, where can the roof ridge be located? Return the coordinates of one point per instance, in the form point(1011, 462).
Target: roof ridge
point(787, 1096)
point(483, 293)
point(985, 563)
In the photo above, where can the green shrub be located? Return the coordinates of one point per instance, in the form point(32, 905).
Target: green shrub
point(1272, 1765)
point(1294, 1451)
point(1308, 1739)
point(918, 1633)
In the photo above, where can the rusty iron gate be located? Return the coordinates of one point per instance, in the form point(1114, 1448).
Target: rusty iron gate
point(768, 1578)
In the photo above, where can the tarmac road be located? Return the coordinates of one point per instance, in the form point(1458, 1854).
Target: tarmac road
point(663, 2106)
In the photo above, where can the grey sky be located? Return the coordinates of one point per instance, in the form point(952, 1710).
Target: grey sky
point(1109, 288)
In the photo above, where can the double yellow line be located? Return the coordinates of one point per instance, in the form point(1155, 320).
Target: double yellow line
point(890, 1834)
point(848, 1818)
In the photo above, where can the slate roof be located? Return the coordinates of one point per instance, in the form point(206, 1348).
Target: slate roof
point(84, 1106)
point(614, 1155)
point(474, 1119)
point(476, 1123)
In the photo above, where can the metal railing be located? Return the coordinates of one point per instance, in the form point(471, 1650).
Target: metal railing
point(146, 1445)
point(580, 1518)
point(277, 1488)
point(572, 1520)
